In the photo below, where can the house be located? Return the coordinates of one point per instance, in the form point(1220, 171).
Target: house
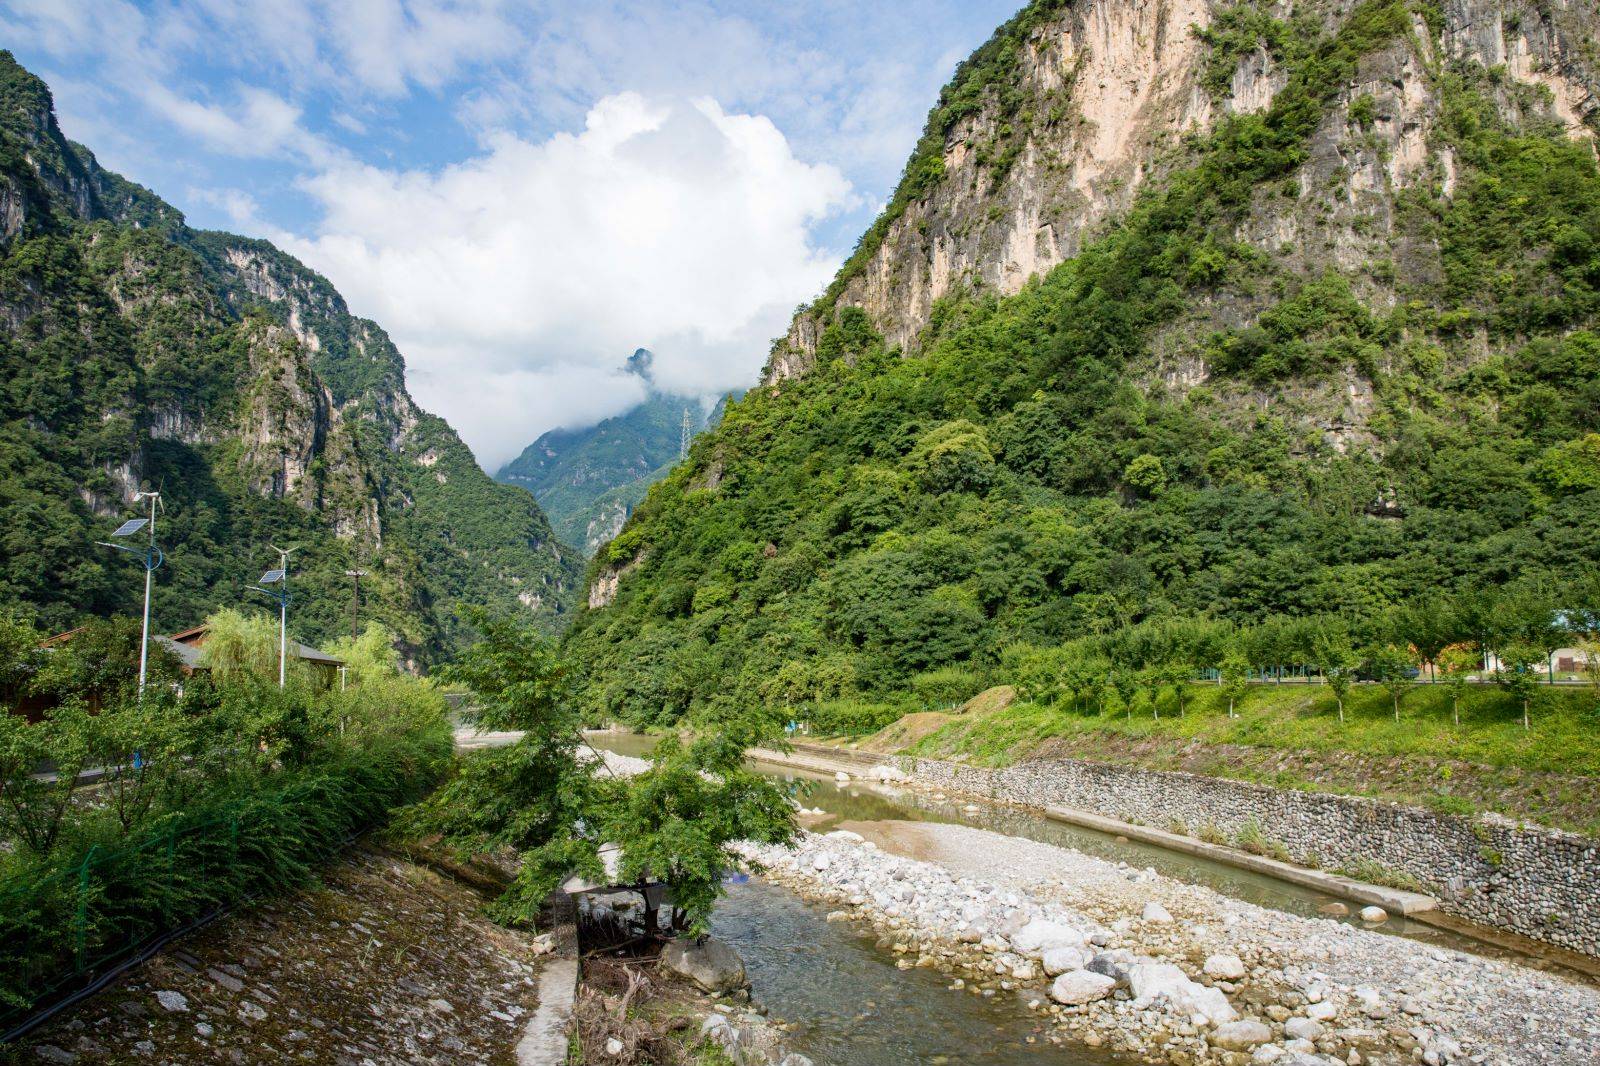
point(185, 647)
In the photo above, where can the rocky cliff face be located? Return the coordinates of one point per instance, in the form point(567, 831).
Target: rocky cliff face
point(136, 351)
point(1040, 145)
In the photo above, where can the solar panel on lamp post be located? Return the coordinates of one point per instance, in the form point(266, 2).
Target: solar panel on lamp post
point(279, 576)
point(153, 558)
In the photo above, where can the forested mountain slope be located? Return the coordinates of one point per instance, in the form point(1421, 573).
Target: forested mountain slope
point(135, 351)
point(589, 480)
point(1186, 309)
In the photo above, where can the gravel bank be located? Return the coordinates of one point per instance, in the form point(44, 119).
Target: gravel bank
point(1175, 972)
point(384, 962)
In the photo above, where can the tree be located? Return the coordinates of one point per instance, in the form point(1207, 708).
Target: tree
point(1391, 667)
point(1336, 655)
point(1458, 662)
point(1520, 676)
point(1176, 677)
point(1428, 625)
point(33, 807)
point(368, 657)
point(1126, 685)
point(237, 643)
point(532, 795)
point(678, 821)
point(1235, 672)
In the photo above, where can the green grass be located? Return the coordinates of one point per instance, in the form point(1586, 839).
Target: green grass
point(1564, 738)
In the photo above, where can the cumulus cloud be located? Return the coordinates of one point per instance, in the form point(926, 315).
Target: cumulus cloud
point(528, 273)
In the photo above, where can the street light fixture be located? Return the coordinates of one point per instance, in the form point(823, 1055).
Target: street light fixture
point(152, 558)
point(280, 577)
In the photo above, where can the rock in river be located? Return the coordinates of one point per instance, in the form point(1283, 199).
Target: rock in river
point(1081, 986)
point(711, 964)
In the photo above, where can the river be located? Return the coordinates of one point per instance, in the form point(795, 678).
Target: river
point(852, 1006)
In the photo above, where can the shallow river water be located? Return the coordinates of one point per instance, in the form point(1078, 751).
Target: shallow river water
point(850, 1006)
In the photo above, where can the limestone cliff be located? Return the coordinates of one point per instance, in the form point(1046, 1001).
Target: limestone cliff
point(1045, 136)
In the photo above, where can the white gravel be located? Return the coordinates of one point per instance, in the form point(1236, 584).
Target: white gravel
point(1001, 911)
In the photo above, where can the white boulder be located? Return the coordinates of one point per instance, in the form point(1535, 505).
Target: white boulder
point(1240, 1036)
point(1041, 934)
point(1155, 912)
point(1159, 980)
point(1374, 914)
point(1060, 960)
point(1302, 1029)
point(1225, 967)
point(1080, 986)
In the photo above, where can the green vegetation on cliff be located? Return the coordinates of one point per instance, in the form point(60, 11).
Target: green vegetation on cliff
point(1034, 474)
point(136, 352)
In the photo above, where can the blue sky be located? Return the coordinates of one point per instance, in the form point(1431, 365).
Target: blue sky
point(521, 192)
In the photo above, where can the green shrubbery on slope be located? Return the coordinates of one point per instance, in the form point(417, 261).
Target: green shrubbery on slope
point(1023, 482)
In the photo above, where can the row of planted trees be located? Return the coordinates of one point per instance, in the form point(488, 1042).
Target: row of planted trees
point(123, 816)
point(1476, 637)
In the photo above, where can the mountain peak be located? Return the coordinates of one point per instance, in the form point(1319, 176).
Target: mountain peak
point(641, 364)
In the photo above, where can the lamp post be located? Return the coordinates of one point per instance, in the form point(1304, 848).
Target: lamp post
point(152, 558)
point(279, 577)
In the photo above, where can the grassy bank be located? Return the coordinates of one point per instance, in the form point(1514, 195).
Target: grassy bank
point(1290, 736)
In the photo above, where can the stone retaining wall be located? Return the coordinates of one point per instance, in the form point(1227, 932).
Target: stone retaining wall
point(1542, 883)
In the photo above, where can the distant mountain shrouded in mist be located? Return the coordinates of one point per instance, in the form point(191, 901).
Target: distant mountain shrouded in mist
point(589, 480)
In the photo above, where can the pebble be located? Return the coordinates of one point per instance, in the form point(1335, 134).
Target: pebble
point(173, 1001)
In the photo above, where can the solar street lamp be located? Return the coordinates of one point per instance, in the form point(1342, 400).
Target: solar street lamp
point(152, 558)
point(279, 576)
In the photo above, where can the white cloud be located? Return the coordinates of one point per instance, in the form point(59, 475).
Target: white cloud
point(532, 270)
point(259, 125)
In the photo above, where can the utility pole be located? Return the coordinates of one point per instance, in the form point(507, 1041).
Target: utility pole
point(355, 601)
point(153, 558)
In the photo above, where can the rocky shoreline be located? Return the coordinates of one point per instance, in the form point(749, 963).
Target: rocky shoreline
point(1171, 972)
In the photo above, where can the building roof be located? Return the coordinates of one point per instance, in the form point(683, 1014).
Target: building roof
point(187, 644)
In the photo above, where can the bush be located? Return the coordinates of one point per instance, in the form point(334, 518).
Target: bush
point(947, 686)
point(224, 792)
point(849, 719)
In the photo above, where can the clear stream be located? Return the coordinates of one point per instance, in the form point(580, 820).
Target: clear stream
point(853, 1007)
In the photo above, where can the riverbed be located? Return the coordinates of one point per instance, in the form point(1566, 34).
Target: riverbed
point(849, 1005)
point(865, 801)
point(918, 884)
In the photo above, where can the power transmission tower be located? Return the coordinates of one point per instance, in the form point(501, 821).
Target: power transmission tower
point(688, 431)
